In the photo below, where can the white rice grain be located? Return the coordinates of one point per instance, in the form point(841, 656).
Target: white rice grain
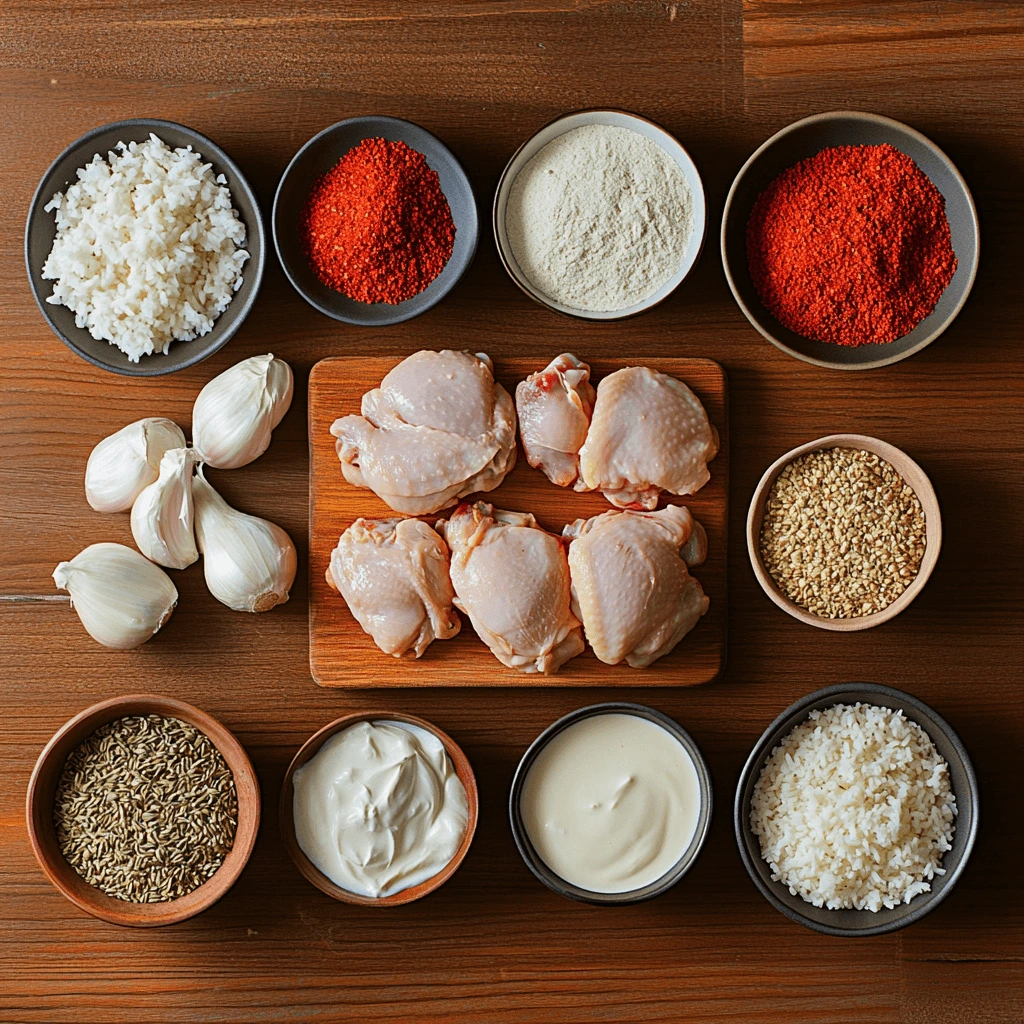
point(854, 809)
point(148, 247)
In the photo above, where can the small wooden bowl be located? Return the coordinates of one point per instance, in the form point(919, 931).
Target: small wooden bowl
point(42, 789)
point(911, 472)
point(313, 874)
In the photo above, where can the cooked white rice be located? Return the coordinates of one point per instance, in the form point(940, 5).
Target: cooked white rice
point(148, 248)
point(854, 809)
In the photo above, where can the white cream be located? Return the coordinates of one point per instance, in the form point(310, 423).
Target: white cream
point(611, 803)
point(379, 808)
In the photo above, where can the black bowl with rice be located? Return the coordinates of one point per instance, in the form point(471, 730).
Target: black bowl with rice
point(224, 285)
point(913, 836)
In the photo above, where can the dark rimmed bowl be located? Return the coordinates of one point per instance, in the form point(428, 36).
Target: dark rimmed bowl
point(42, 789)
point(312, 873)
point(661, 885)
point(319, 155)
point(803, 139)
point(614, 118)
point(965, 789)
point(41, 229)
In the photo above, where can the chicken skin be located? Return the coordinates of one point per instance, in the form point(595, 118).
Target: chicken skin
point(437, 429)
point(393, 575)
point(554, 408)
point(511, 578)
point(631, 584)
point(649, 433)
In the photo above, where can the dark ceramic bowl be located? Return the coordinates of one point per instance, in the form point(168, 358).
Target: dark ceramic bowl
point(320, 155)
point(803, 139)
point(41, 229)
point(965, 789)
point(558, 884)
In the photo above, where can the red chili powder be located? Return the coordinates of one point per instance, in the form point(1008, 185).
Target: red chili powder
point(377, 227)
point(851, 246)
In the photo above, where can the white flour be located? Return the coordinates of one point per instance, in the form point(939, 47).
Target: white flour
point(599, 219)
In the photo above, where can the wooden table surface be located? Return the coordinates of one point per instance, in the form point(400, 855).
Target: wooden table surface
point(493, 944)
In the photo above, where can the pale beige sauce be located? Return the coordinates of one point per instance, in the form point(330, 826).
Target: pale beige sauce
point(611, 803)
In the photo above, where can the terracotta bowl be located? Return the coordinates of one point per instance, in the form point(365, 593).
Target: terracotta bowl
point(911, 472)
point(313, 874)
point(42, 788)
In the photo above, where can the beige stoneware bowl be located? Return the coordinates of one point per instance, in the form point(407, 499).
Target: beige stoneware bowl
point(911, 472)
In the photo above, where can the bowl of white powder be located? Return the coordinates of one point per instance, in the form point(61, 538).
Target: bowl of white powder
point(600, 215)
point(144, 247)
point(857, 810)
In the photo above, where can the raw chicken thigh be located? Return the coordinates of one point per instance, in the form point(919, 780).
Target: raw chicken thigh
point(649, 434)
point(511, 578)
point(393, 575)
point(437, 428)
point(554, 408)
point(630, 582)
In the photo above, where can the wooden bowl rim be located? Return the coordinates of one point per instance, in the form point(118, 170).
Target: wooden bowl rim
point(68, 882)
point(912, 474)
point(313, 874)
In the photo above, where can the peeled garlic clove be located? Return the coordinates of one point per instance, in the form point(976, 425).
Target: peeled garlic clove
point(235, 413)
point(162, 515)
point(124, 463)
point(121, 598)
point(249, 562)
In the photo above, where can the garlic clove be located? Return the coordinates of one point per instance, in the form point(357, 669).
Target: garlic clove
point(124, 463)
point(121, 598)
point(162, 516)
point(249, 562)
point(236, 412)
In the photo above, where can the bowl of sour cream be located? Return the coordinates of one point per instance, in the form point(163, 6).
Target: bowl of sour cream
point(378, 808)
point(611, 804)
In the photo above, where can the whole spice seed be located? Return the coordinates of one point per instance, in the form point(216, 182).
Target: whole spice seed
point(146, 809)
point(843, 534)
point(377, 227)
point(851, 246)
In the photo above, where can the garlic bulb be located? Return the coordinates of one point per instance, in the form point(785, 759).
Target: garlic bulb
point(162, 515)
point(236, 412)
point(122, 464)
point(121, 598)
point(249, 562)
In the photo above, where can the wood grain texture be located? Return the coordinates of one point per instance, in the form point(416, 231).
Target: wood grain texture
point(493, 944)
point(341, 654)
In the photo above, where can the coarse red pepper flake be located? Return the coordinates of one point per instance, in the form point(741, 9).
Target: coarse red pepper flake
point(377, 227)
point(851, 246)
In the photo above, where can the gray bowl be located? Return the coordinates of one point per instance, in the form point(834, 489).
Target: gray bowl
point(558, 884)
point(965, 788)
point(320, 155)
point(803, 139)
point(41, 229)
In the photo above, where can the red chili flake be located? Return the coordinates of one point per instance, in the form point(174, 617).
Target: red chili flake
point(378, 227)
point(851, 246)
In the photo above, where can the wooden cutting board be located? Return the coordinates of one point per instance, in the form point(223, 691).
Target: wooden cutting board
point(341, 654)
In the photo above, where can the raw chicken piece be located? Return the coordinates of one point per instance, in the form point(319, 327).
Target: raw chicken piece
point(511, 578)
point(554, 408)
point(649, 434)
point(630, 582)
point(437, 428)
point(393, 575)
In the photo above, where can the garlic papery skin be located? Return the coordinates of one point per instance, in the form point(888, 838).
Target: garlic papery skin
point(236, 412)
point(125, 463)
point(249, 562)
point(121, 597)
point(162, 516)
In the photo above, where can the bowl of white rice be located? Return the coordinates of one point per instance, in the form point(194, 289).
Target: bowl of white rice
point(144, 247)
point(857, 810)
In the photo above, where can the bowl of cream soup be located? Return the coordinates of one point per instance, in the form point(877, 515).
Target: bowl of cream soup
point(611, 804)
